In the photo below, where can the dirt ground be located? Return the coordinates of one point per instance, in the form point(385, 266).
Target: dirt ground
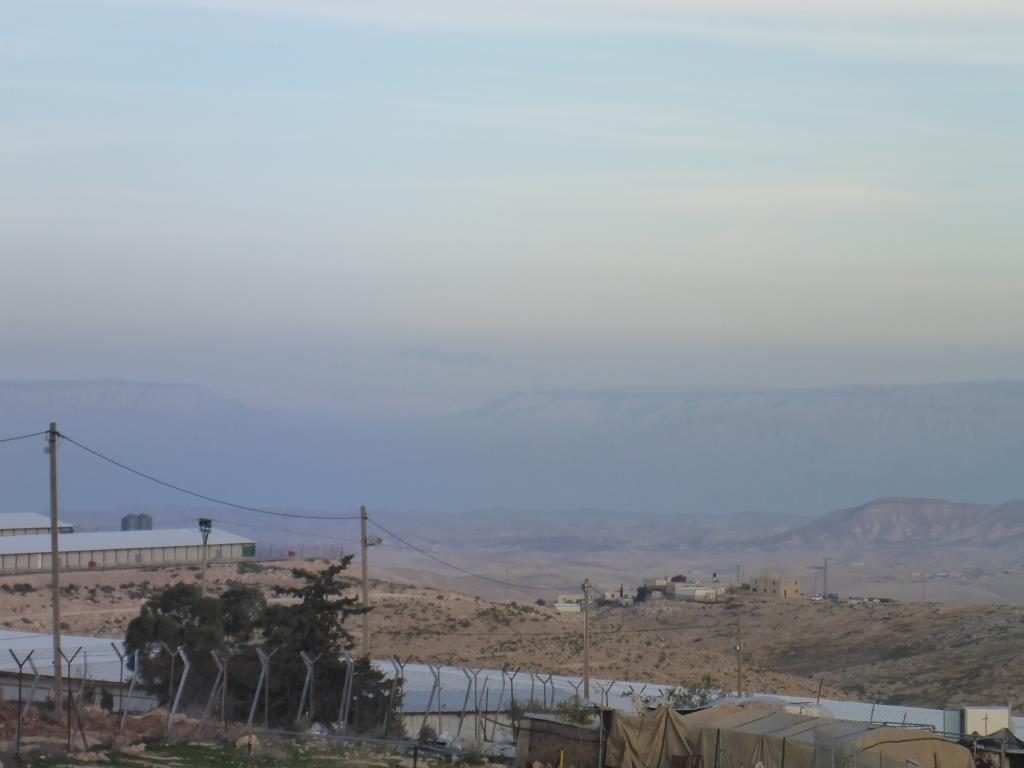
point(914, 653)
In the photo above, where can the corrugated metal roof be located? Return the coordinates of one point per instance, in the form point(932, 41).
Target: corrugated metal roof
point(107, 540)
point(103, 665)
point(27, 520)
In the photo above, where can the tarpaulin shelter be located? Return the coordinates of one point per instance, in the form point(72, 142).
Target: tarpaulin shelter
point(748, 737)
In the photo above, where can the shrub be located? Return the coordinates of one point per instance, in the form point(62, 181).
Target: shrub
point(573, 710)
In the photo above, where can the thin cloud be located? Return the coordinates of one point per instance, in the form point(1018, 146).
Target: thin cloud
point(983, 31)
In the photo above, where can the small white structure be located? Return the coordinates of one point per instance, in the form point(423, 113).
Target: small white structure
point(29, 524)
point(120, 549)
point(695, 593)
point(569, 603)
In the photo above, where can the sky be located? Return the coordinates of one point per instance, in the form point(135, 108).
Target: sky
point(413, 206)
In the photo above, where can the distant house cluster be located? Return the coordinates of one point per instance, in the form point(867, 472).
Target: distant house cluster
point(679, 588)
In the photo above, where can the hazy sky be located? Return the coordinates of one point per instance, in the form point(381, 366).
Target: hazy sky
point(409, 204)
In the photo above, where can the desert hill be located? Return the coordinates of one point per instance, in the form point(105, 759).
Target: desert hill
point(911, 522)
point(925, 654)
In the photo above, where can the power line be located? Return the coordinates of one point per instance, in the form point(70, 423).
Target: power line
point(196, 494)
point(22, 437)
point(460, 569)
point(309, 536)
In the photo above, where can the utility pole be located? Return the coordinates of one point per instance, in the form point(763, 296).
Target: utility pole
point(586, 639)
point(51, 449)
point(739, 657)
point(366, 583)
point(737, 575)
point(825, 591)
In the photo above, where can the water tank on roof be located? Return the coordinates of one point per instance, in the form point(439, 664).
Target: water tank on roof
point(139, 522)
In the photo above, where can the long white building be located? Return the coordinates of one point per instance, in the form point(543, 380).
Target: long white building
point(84, 551)
point(28, 524)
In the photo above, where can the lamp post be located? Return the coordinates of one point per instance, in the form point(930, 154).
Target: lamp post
point(205, 526)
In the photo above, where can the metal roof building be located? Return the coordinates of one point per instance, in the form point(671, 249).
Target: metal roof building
point(82, 551)
point(98, 662)
point(29, 523)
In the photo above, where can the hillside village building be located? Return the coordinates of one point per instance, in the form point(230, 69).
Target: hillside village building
point(776, 586)
point(29, 523)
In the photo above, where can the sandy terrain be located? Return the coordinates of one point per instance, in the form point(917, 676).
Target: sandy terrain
point(925, 654)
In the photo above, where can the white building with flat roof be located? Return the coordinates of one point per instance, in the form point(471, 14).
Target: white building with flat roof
point(114, 549)
point(28, 524)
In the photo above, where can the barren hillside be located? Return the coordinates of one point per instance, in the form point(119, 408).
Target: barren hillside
point(925, 654)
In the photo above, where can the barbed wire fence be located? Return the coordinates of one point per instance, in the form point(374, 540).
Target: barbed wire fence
point(102, 709)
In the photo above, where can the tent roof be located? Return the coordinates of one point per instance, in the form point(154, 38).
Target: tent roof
point(763, 722)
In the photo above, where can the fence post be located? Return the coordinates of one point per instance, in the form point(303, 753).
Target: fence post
point(262, 686)
point(120, 676)
point(21, 666)
point(501, 703)
point(218, 681)
point(131, 690)
point(465, 701)
point(32, 690)
point(307, 686)
point(69, 695)
point(399, 666)
point(170, 680)
point(576, 687)
point(186, 665)
point(476, 705)
point(433, 690)
point(346, 695)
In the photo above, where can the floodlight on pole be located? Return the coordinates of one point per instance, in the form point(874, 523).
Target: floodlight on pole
point(205, 526)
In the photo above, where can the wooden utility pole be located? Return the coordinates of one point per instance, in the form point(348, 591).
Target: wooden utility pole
point(586, 639)
point(739, 657)
point(366, 583)
point(51, 449)
point(825, 591)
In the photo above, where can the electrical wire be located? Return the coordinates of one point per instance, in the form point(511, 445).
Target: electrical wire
point(196, 494)
point(462, 570)
point(22, 437)
point(300, 516)
point(306, 535)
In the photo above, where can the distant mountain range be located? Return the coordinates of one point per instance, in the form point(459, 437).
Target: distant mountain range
point(693, 452)
point(909, 522)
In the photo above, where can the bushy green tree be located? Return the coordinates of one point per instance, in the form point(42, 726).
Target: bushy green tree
point(238, 621)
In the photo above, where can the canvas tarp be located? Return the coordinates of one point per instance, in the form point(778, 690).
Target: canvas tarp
point(646, 741)
point(753, 737)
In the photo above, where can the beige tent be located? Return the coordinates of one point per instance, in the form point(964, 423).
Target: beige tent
point(751, 737)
